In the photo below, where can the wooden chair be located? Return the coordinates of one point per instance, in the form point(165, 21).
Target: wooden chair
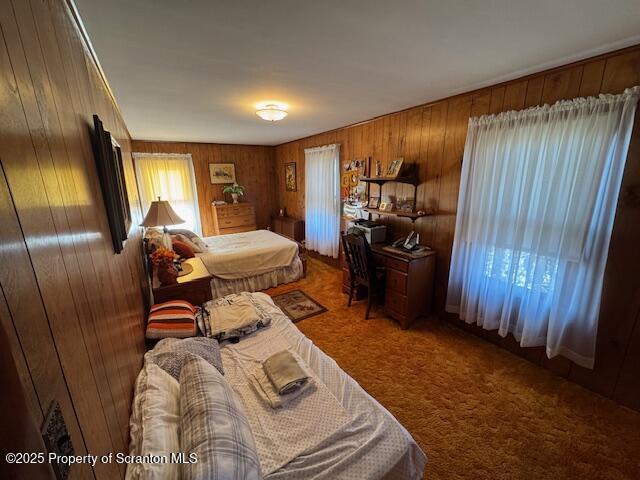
point(362, 268)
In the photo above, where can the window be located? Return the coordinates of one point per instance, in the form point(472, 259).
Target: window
point(537, 201)
point(322, 199)
point(170, 177)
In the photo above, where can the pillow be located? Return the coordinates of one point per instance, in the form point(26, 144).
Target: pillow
point(135, 422)
point(182, 249)
point(157, 409)
point(213, 426)
point(187, 241)
point(169, 354)
point(176, 318)
point(182, 231)
point(192, 236)
point(154, 238)
point(200, 243)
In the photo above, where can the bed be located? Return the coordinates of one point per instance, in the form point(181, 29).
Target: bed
point(372, 444)
point(251, 261)
point(337, 431)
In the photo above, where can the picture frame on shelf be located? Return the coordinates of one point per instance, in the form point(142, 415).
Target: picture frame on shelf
point(290, 177)
point(374, 202)
point(220, 173)
point(386, 207)
point(395, 167)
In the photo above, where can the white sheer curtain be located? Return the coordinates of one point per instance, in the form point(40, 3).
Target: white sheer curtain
point(536, 207)
point(170, 177)
point(322, 199)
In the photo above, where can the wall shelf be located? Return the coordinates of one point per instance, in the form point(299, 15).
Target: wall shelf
point(382, 180)
point(410, 179)
point(413, 216)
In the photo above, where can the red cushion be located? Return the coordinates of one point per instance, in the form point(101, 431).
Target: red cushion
point(182, 249)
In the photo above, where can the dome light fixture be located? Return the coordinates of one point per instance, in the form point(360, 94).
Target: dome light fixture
point(272, 112)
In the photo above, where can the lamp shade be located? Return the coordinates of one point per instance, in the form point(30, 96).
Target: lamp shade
point(160, 214)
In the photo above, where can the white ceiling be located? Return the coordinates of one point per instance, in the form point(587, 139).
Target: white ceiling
point(192, 70)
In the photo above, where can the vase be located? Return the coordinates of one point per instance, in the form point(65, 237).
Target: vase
point(167, 274)
point(235, 197)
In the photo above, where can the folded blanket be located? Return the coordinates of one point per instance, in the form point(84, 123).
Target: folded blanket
point(214, 314)
point(267, 392)
point(237, 315)
point(284, 372)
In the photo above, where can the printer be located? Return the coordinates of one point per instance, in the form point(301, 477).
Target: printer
point(374, 232)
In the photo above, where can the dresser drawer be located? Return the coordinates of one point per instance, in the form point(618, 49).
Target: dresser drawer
point(239, 221)
point(396, 302)
point(236, 210)
point(397, 281)
point(379, 259)
point(397, 264)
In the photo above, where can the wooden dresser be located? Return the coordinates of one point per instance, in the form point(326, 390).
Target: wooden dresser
point(233, 218)
point(409, 283)
point(289, 227)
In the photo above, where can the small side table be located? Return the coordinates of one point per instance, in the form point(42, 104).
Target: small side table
point(289, 227)
point(194, 287)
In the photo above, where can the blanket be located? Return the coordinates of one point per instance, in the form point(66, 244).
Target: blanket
point(241, 255)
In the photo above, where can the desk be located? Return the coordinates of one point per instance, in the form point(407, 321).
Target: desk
point(409, 283)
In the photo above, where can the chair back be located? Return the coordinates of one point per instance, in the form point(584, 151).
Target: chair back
point(358, 255)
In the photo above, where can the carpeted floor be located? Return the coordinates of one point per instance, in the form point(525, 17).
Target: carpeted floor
point(479, 412)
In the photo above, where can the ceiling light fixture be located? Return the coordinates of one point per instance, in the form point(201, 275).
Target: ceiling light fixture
point(272, 112)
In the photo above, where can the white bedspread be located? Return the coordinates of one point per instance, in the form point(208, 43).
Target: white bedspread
point(240, 255)
point(284, 433)
point(371, 444)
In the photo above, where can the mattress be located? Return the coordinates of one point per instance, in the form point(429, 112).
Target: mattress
point(369, 444)
point(242, 255)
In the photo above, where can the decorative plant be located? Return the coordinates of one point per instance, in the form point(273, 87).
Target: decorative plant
point(235, 190)
point(163, 257)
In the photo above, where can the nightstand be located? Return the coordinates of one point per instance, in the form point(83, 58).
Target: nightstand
point(194, 287)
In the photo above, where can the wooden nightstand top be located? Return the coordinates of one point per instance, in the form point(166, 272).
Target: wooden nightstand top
point(200, 272)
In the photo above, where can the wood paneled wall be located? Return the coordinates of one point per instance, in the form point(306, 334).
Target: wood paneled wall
point(433, 137)
point(71, 308)
point(254, 170)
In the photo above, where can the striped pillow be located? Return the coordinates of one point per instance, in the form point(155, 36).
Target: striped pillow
point(176, 318)
point(213, 425)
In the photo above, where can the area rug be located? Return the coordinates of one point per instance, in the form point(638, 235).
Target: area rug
point(298, 305)
point(478, 411)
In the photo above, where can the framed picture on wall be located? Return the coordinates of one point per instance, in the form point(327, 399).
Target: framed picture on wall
point(110, 167)
point(346, 180)
point(290, 180)
point(222, 173)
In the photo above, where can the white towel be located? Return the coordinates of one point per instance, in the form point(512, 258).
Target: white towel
point(284, 372)
point(267, 392)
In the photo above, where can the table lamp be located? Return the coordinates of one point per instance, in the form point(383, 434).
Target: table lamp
point(161, 214)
